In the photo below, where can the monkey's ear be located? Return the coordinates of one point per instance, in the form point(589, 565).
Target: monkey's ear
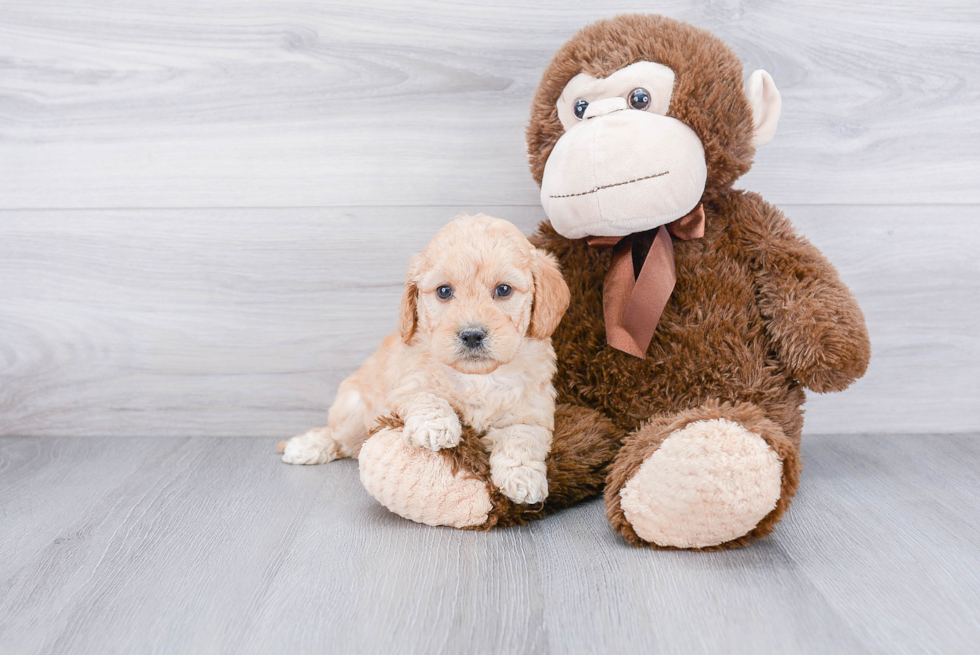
point(763, 97)
point(551, 295)
point(408, 318)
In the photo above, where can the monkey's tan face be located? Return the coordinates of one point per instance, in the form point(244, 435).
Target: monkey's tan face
point(475, 293)
point(622, 166)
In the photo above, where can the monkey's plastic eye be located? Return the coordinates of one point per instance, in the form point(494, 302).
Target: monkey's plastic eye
point(502, 291)
point(580, 107)
point(639, 99)
point(445, 292)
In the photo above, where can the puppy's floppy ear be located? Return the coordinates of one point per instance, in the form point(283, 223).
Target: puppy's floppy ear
point(551, 294)
point(408, 318)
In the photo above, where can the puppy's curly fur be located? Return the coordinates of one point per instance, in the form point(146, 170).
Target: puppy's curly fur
point(473, 345)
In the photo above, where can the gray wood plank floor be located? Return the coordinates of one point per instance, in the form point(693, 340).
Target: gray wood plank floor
point(178, 545)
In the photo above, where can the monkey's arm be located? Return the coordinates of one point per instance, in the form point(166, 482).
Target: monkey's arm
point(811, 316)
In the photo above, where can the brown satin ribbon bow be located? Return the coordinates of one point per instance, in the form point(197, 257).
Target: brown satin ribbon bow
point(632, 305)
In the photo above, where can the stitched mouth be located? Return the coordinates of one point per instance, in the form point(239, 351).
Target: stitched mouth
point(609, 186)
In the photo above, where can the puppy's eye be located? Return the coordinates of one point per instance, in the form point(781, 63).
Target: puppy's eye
point(580, 107)
point(502, 291)
point(639, 99)
point(445, 292)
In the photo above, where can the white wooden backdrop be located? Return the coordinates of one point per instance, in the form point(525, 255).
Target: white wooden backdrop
point(207, 207)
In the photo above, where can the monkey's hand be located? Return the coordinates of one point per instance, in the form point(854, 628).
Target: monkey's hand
point(820, 333)
point(811, 316)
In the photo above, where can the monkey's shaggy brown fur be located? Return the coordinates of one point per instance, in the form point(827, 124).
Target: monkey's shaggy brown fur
point(757, 314)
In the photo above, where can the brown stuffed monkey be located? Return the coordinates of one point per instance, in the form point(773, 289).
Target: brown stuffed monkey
point(697, 317)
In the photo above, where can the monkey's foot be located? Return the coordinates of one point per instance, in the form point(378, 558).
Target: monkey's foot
point(418, 484)
point(708, 483)
point(717, 476)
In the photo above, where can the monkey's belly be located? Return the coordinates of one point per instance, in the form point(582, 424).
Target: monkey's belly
point(702, 350)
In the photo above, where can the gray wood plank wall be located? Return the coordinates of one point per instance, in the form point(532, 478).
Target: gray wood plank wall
point(206, 209)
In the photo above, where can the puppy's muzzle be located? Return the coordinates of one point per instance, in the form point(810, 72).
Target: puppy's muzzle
point(472, 338)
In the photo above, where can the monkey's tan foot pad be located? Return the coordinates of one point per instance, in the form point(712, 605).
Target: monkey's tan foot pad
point(708, 483)
point(418, 484)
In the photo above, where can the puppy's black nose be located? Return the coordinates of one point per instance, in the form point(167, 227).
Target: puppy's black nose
point(472, 337)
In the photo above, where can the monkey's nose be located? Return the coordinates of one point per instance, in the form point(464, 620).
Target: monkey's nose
point(472, 337)
point(604, 106)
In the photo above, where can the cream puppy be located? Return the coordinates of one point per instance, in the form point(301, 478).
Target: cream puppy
point(473, 346)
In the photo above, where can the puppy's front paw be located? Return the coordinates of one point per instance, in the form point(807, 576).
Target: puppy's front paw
point(432, 431)
point(313, 447)
point(522, 484)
